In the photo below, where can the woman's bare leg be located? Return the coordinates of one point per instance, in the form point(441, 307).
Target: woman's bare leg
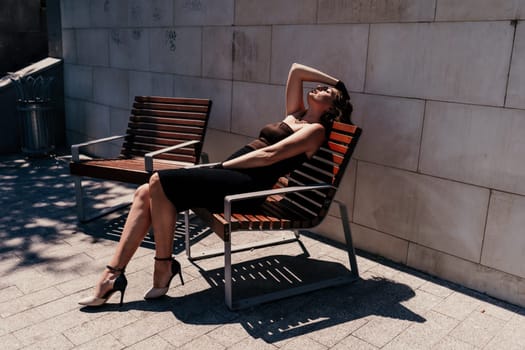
point(135, 229)
point(163, 219)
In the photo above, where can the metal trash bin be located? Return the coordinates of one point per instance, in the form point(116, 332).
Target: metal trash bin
point(35, 108)
point(37, 135)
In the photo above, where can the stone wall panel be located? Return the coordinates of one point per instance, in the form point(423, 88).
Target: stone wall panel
point(78, 81)
point(254, 106)
point(129, 48)
point(392, 129)
point(219, 91)
point(516, 88)
point(217, 57)
point(504, 243)
point(69, 46)
point(487, 280)
point(252, 53)
point(476, 10)
point(176, 50)
point(108, 13)
point(150, 13)
point(256, 12)
point(112, 87)
point(463, 62)
point(203, 12)
point(474, 144)
point(92, 47)
point(440, 214)
point(315, 46)
point(149, 84)
point(373, 11)
point(75, 14)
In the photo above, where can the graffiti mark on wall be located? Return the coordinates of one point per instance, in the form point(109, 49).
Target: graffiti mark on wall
point(171, 37)
point(245, 53)
point(157, 14)
point(194, 5)
point(136, 12)
point(115, 36)
point(136, 34)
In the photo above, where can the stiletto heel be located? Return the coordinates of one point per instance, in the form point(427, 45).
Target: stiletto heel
point(121, 297)
point(154, 293)
point(119, 285)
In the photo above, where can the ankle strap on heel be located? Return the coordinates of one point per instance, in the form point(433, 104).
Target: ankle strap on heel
point(115, 269)
point(163, 259)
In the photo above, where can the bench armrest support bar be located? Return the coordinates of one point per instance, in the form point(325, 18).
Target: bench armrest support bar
point(241, 196)
point(148, 157)
point(75, 149)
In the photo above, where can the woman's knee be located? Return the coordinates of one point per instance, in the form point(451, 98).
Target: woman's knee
point(155, 185)
point(142, 192)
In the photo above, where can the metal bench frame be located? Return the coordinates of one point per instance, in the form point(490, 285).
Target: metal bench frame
point(226, 223)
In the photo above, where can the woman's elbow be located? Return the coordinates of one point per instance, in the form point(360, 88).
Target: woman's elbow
point(268, 157)
point(296, 67)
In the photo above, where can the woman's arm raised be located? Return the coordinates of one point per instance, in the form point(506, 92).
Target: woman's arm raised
point(294, 86)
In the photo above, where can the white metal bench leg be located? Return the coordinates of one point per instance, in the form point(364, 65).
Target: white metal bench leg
point(187, 233)
point(348, 238)
point(79, 194)
point(228, 297)
point(80, 201)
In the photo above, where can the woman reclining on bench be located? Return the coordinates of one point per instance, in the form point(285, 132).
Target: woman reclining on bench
point(280, 148)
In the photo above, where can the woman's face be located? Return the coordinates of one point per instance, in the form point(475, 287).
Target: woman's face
point(323, 95)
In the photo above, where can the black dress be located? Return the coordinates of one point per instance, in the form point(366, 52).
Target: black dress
point(207, 187)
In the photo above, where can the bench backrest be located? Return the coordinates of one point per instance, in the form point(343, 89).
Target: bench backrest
point(159, 122)
point(327, 166)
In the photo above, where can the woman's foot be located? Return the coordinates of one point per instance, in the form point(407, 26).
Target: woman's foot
point(165, 270)
point(112, 280)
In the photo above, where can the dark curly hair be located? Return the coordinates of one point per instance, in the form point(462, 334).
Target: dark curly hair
point(340, 111)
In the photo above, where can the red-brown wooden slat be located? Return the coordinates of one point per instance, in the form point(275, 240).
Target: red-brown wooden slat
point(345, 127)
point(254, 223)
point(166, 121)
point(150, 127)
point(160, 141)
point(172, 107)
point(337, 147)
point(340, 138)
point(152, 134)
point(169, 114)
point(177, 100)
point(124, 170)
point(266, 221)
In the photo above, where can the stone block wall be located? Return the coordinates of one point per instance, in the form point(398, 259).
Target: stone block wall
point(438, 179)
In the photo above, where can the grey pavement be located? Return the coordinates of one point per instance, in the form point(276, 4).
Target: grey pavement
point(48, 261)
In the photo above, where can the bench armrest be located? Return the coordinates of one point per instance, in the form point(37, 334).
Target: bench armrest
point(148, 157)
point(75, 149)
point(241, 196)
point(205, 165)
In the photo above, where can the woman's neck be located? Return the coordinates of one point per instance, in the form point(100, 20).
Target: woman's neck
point(312, 116)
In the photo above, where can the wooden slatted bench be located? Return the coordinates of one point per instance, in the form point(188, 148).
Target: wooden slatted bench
point(299, 201)
point(162, 133)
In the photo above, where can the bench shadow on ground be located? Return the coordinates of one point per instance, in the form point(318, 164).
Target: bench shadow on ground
point(278, 320)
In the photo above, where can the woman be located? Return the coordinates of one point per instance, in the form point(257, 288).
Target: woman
point(280, 148)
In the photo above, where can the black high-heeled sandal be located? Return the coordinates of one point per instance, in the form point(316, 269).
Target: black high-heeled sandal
point(119, 285)
point(155, 293)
